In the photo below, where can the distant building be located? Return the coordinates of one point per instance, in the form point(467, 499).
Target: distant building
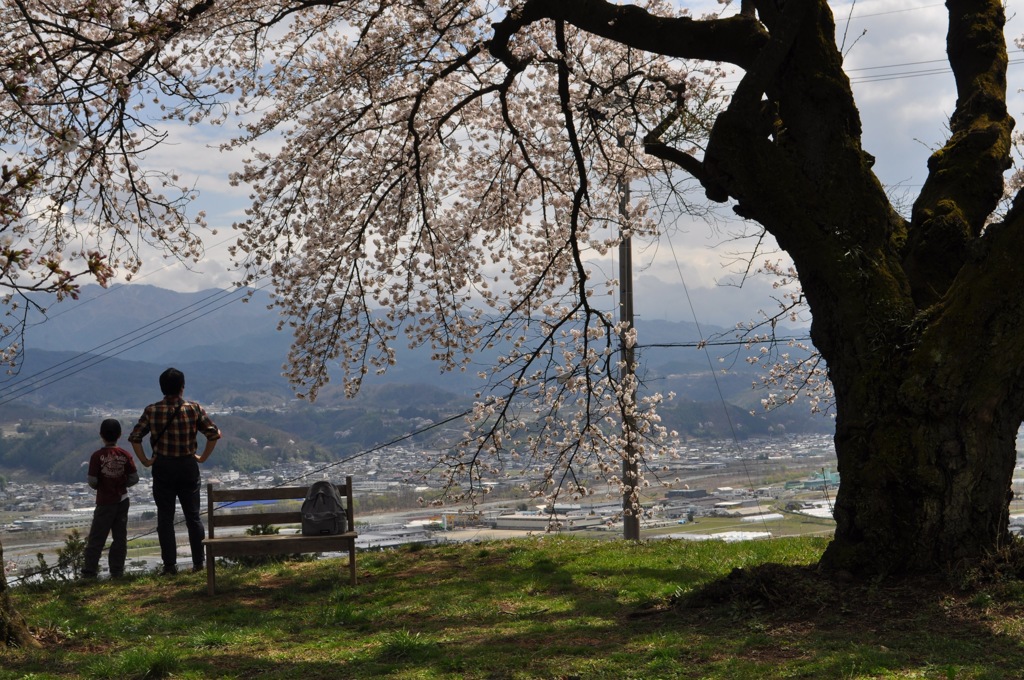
point(764, 517)
point(687, 493)
point(394, 537)
point(816, 482)
point(542, 521)
point(727, 536)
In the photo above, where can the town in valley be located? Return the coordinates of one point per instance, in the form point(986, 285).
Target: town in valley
point(724, 490)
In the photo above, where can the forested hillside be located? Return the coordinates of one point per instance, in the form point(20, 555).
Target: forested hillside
point(50, 446)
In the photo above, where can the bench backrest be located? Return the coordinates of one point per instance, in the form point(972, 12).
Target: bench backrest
point(221, 511)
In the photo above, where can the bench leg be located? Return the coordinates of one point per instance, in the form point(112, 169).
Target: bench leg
point(211, 574)
point(352, 563)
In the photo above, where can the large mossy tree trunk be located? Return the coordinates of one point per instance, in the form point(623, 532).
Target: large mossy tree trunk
point(13, 630)
point(921, 320)
point(926, 436)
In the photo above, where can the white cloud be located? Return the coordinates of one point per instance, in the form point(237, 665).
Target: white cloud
point(902, 83)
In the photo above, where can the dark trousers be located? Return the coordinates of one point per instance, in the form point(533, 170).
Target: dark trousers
point(176, 481)
point(107, 519)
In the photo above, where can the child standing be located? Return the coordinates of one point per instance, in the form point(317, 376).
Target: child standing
point(111, 471)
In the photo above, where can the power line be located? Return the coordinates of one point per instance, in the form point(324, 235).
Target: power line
point(714, 373)
point(112, 348)
point(895, 11)
point(88, 358)
point(725, 343)
point(116, 342)
point(908, 74)
point(908, 63)
point(65, 308)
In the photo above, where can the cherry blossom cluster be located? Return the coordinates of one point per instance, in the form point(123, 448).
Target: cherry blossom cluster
point(77, 199)
point(790, 368)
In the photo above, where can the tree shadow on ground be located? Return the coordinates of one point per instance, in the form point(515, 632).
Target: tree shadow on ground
point(497, 611)
point(766, 616)
point(778, 611)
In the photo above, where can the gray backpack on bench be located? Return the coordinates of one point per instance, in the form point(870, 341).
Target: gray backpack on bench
point(323, 513)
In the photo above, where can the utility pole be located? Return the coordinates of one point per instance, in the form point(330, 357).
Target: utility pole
point(630, 472)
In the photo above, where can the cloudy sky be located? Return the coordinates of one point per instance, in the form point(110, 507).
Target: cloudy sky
point(895, 52)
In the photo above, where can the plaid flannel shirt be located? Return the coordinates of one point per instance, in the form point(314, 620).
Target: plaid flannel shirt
point(179, 437)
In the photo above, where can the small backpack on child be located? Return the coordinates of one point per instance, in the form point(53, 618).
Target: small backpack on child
point(323, 513)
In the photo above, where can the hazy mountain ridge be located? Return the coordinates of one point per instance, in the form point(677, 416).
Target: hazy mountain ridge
point(232, 356)
point(233, 346)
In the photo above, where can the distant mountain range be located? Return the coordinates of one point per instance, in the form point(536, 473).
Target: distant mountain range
point(107, 349)
point(109, 346)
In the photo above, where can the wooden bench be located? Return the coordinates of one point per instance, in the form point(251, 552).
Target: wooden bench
point(234, 545)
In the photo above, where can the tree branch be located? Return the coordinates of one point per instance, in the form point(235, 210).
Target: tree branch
point(950, 212)
point(736, 40)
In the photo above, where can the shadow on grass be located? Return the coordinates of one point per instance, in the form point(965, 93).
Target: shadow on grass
point(544, 620)
point(508, 610)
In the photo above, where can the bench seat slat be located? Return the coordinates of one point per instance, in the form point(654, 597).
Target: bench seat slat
point(276, 494)
point(248, 519)
point(278, 544)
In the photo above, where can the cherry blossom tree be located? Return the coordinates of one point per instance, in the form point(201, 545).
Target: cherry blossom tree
point(467, 195)
point(452, 169)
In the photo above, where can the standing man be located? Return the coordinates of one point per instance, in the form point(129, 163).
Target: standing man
point(173, 424)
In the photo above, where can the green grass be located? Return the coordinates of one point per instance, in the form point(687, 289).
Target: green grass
point(791, 524)
point(550, 607)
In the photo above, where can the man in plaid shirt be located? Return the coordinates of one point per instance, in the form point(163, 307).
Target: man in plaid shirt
point(173, 424)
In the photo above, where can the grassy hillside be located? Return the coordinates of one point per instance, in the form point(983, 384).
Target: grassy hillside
point(548, 607)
